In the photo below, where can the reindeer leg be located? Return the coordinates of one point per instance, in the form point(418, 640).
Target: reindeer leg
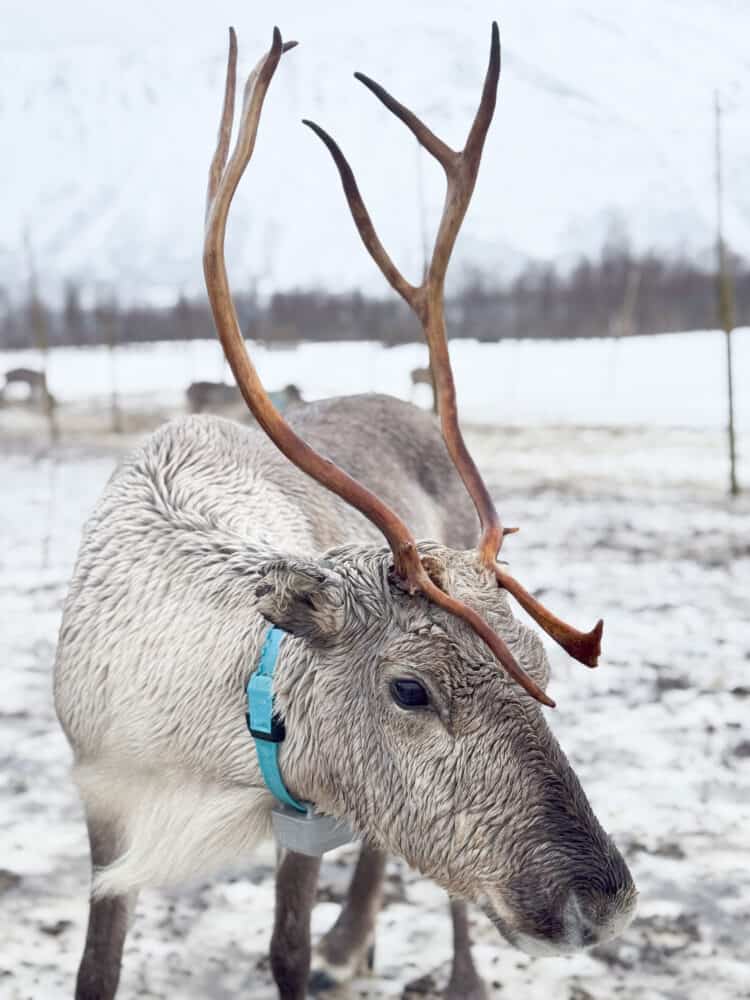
point(348, 948)
point(464, 983)
point(99, 971)
point(296, 883)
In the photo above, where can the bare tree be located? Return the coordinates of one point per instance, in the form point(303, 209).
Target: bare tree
point(38, 321)
point(107, 319)
point(725, 302)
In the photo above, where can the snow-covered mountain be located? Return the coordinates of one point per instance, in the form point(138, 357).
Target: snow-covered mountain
point(605, 119)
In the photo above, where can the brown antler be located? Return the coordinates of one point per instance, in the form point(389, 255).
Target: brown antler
point(427, 301)
point(223, 180)
point(585, 647)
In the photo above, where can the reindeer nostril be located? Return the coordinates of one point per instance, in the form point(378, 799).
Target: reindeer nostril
point(593, 918)
point(588, 937)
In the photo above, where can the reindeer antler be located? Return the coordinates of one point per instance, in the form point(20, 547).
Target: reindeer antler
point(223, 180)
point(427, 301)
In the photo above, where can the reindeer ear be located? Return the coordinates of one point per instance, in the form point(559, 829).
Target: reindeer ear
point(304, 598)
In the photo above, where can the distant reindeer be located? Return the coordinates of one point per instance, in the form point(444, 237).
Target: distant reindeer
point(423, 376)
point(36, 382)
point(209, 396)
point(203, 396)
point(408, 690)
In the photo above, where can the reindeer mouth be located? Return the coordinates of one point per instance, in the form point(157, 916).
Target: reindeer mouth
point(538, 947)
point(578, 930)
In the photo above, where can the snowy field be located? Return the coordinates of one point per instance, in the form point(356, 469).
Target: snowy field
point(670, 380)
point(619, 521)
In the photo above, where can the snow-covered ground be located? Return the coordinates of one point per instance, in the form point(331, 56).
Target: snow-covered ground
point(670, 380)
point(624, 522)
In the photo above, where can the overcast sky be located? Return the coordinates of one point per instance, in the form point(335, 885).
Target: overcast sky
point(52, 22)
point(84, 21)
point(605, 111)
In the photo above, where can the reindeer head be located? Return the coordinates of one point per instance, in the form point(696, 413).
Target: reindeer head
point(398, 719)
point(414, 706)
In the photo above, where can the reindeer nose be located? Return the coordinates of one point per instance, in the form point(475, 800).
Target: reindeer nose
point(591, 918)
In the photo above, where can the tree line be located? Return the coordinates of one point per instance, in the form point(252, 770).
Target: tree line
point(617, 294)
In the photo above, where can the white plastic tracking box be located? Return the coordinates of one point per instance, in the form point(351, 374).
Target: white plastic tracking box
point(308, 833)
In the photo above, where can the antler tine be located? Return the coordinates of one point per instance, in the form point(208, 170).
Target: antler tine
point(442, 152)
point(483, 119)
point(221, 188)
point(225, 125)
point(585, 647)
point(227, 115)
point(462, 178)
point(491, 639)
point(362, 219)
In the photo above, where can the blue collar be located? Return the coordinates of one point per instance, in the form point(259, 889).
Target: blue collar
point(266, 728)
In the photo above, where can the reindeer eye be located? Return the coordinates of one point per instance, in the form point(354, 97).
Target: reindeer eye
point(409, 693)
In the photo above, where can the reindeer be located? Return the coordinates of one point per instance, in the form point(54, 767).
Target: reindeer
point(209, 396)
point(420, 376)
point(423, 376)
point(202, 396)
point(409, 692)
point(36, 383)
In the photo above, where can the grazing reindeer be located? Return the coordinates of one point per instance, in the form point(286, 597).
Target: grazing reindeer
point(208, 396)
point(407, 688)
point(420, 376)
point(423, 376)
point(36, 383)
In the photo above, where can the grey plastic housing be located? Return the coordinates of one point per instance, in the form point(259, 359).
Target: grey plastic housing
point(308, 833)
